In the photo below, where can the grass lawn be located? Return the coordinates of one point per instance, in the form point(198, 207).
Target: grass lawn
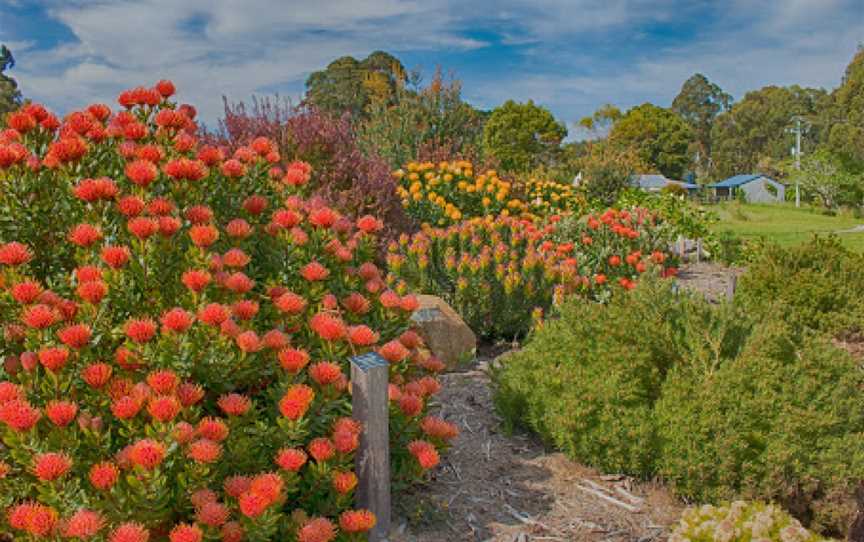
point(785, 224)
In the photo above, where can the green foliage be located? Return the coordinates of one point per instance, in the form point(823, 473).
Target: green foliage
point(826, 177)
point(721, 404)
point(740, 521)
point(660, 137)
point(698, 103)
point(607, 172)
point(782, 421)
point(10, 96)
point(847, 129)
point(431, 123)
point(756, 127)
point(350, 85)
point(522, 136)
point(682, 216)
point(818, 285)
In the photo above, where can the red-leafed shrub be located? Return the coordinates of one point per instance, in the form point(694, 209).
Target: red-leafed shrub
point(176, 329)
point(352, 181)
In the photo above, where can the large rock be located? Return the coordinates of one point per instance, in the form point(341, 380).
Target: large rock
point(444, 331)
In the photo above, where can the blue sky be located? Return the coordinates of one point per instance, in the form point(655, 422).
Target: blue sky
point(570, 55)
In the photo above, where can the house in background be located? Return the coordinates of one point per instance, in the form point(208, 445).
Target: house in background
point(655, 182)
point(755, 187)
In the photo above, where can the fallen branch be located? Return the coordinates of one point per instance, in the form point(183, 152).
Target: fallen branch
point(605, 497)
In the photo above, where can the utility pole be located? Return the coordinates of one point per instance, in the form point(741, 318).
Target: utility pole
point(797, 130)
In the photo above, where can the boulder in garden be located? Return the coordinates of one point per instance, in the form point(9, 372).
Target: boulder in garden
point(444, 331)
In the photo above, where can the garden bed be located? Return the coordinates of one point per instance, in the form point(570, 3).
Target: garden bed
point(497, 487)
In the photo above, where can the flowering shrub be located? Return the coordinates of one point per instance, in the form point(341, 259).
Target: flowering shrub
point(544, 198)
point(499, 273)
point(740, 522)
point(175, 362)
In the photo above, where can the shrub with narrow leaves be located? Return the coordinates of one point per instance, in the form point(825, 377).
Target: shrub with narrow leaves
point(740, 521)
point(176, 329)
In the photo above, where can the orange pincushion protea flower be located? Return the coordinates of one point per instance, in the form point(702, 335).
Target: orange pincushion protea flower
point(75, 336)
point(39, 316)
point(140, 330)
point(204, 451)
point(212, 514)
point(50, 466)
point(293, 360)
point(296, 401)
point(344, 482)
point(357, 521)
point(61, 413)
point(234, 404)
point(425, 453)
point(328, 327)
point(33, 518)
point(84, 524)
point(129, 532)
point(321, 449)
point(317, 530)
point(325, 372)
point(147, 453)
point(115, 256)
point(84, 235)
point(104, 475)
point(291, 459)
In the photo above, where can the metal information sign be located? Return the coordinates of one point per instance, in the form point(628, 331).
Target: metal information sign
point(369, 361)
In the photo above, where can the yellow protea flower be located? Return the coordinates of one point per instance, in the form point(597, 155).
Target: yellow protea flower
point(470, 189)
point(455, 215)
point(412, 166)
point(428, 175)
point(448, 177)
point(413, 176)
point(486, 201)
point(398, 173)
point(417, 196)
point(462, 185)
point(432, 196)
point(415, 187)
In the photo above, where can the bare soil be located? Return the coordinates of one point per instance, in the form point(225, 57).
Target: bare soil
point(497, 487)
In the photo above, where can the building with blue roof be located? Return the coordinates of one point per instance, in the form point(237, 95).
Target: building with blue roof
point(754, 187)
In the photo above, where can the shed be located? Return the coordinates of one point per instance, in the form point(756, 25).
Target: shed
point(755, 187)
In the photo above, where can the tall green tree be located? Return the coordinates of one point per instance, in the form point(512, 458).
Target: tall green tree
point(523, 136)
point(757, 127)
point(423, 123)
point(10, 96)
point(846, 120)
point(351, 85)
point(698, 103)
point(660, 137)
point(824, 176)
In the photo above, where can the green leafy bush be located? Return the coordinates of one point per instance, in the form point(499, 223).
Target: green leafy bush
point(740, 522)
point(721, 404)
point(817, 285)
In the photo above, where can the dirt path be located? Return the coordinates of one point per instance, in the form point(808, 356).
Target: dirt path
point(495, 487)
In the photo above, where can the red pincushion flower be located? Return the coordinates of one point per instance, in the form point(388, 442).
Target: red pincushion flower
point(61, 413)
point(321, 449)
point(238, 229)
point(411, 405)
point(245, 155)
point(269, 485)
point(291, 459)
point(293, 360)
point(325, 372)
point(296, 401)
point(185, 169)
point(169, 225)
point(430, 385)
point(248, 341)
point(53, 358)
point(239, 283)
point(362, 335)
point(142, 227)
point(235, 258)
point(50, 466)
point(344, 482)
point(296, 175)
point(369, 224)
point(135, 131)
point(10, 392)
point(232, 532)
point(19, 415)
point(130, 206)
point(147, 453)
point(190, 394)
point(212, 514)
point(234, 404)
point(26, 292)
point(200, 497)
point(204, 451)
point(614, 260)
point(275, 339)
point(286, 218)
point(176, 320)
point(345, 441)
point(233, 168)
point(203, 235)
point(160, 207)
point(314, 271)
point(317, 530)
point(100, 112)
point(245, 309)
point(394, 352)
point(75, 336)
point(39, 316)
point(115, 257)
point(438, 428)
point(130, 532)
point(92, 291)
point(36, 519)
point(104, 475)
point(21, 121)
point(425, 453)
point(212, 429)
point(237, 485)
point(14, 253)
point(290, 303)
point(261, 145)
point(253, 505)
point(84, 235)
point(409, 303)
point(165, 88)
point(84, 524)
point(410, 339)
point(97, 374)
point(323, 217)
point(210, 155)
point(140, 330)
point(255, 205)
point(163, 382)
point(356, 303)
point(357, 521)
point(168, 118)
point(126, 407)
point(328, 327)
point(213, 314)
point(141, 172)
point(390, 299)
point(196, 279)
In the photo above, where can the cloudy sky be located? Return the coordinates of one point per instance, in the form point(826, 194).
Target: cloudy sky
point(570, 55)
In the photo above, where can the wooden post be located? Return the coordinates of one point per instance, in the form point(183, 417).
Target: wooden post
point(698, 250)
point(730, 287)
point(370, 402)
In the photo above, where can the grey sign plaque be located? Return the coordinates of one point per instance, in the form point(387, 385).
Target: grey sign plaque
point(368, 361)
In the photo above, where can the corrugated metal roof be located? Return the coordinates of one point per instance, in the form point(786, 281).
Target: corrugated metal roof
point(657, 181)
point(736, 180)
